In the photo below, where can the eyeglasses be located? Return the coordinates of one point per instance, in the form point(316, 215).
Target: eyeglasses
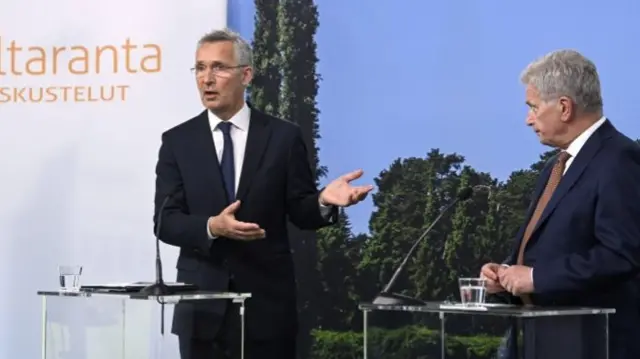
point(218, 70)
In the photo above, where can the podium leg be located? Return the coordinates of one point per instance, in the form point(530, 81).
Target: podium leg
point(44, 328)
point(365, 324)
point(443, 337)
point(241, 311)
point(606, 334)
point(242, 329)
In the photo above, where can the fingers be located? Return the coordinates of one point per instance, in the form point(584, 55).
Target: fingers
point(502, 278)
point(489, 274)
point(243, 226)
point(359, 193)
point(494, 287)
point(503, 275)
point(246, 231)
point(489, 271)
point(507, 286)
point(363, 190)
point(352, 175)
point(501, 270)
point(512, 288)
point(356, 197)
point(249, 235)
point(508, 280)
point(226, 225)
point(232, 208)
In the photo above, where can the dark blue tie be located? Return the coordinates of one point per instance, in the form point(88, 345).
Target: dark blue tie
point(227, 164)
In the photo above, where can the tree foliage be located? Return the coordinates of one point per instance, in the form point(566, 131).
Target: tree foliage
point(286, 85)
point(298, 23)
point(411, 193)
point(265, 87)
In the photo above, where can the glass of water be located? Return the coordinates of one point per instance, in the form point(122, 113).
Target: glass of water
point(472, 291)
point(70, 278)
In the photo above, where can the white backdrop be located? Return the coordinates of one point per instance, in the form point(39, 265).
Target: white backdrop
point(79, 136)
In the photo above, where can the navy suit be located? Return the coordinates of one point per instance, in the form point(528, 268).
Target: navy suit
point(585, 249)
point(276, 184)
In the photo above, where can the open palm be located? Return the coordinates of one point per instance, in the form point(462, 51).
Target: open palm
point(341, 193)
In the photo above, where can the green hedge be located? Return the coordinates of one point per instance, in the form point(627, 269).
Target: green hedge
point(411, 342)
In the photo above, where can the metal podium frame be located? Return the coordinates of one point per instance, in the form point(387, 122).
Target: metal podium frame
point(487, 309)
point(238, 298)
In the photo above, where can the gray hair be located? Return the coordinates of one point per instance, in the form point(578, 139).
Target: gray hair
point(566, 73)
point(243, 52)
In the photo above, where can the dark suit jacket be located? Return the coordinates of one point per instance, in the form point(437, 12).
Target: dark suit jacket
point(585, 250)
point(276, 182)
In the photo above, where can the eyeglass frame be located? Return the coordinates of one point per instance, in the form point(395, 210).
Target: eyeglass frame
point(216, 68)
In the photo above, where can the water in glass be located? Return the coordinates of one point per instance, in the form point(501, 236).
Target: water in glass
point(472, 291)
point(70, 278)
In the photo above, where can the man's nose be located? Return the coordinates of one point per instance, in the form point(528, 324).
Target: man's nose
point(529, 120)
point(208, 77)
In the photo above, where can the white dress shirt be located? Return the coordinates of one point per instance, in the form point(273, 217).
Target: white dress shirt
point(579, 142)
point(239, 132)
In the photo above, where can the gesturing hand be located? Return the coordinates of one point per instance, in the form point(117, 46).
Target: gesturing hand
point(341, 193)
point(226, 225)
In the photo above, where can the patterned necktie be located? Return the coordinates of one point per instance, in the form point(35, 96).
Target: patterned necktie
point(552, 183)
point(227, 163)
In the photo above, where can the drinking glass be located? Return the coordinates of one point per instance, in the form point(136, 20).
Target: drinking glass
point(70, 277)
point(472, 291)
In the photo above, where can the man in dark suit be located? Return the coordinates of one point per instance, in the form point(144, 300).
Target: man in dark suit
point(580, 245)
point(236, 176)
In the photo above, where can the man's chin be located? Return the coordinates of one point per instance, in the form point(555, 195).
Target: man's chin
point(211, 104)
point(542, 140)
point(547, 143)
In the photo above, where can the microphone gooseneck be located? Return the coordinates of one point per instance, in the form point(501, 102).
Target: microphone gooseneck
point(386, 297)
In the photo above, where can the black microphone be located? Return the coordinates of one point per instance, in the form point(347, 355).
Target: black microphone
point(159, 288)
point(386, 297)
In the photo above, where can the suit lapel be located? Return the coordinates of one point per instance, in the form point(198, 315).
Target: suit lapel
point(257, 140)
point(204, 154)
point(577, 167)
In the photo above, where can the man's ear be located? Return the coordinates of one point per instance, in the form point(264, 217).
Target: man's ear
point(247, 76)
point(567, 109)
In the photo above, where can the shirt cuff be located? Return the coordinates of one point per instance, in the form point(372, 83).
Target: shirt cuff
point(532, 284)
point(209, 234)
point(325, 211)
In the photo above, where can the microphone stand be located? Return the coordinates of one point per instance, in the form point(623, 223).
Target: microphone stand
point(386, 297)
point(159, 288)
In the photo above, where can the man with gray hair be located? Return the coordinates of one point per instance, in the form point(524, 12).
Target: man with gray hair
point(231, 177)
point(580, 244)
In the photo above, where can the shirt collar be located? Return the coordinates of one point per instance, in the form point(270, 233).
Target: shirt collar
point(579, 142)
point(240, 120)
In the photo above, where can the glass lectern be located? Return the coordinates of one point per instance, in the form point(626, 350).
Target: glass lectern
point(90, 325)
point(534, 332)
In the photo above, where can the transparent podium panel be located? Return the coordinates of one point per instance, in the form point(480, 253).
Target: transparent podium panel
point(492, 331)
point(86, 325)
